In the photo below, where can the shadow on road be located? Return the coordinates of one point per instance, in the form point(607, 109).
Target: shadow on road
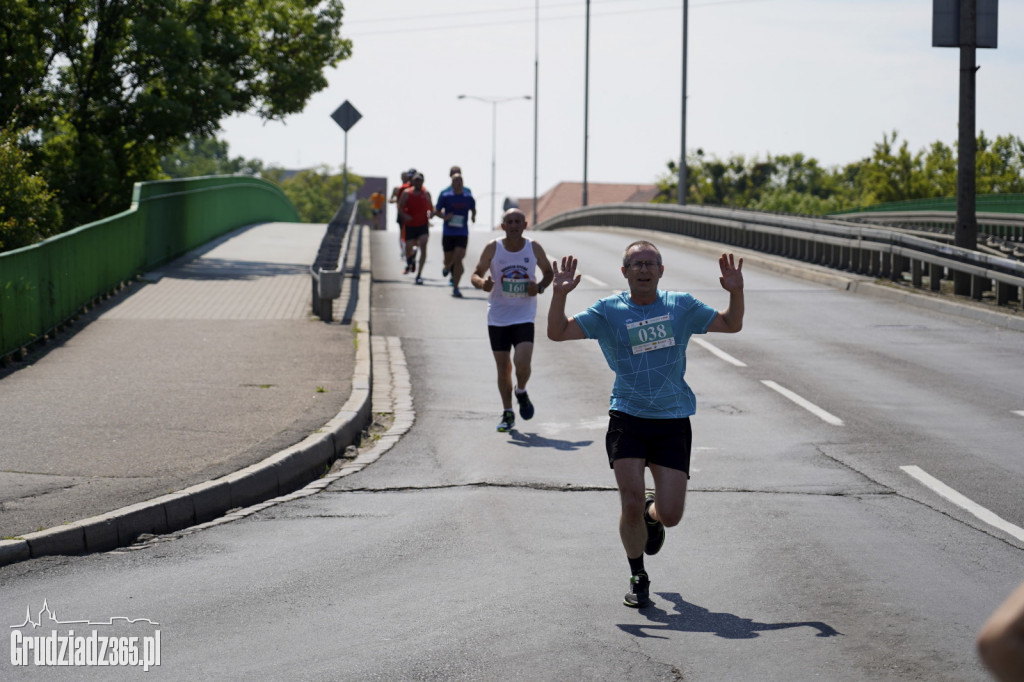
point(692, 618)
point(532, 440)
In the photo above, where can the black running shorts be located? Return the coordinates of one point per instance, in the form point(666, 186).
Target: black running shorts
point(450, 242)
point(503, 338)
point(416, 232)
point(658, 441)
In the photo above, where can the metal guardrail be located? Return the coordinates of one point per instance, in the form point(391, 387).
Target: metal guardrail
point(853, 247)
point(1001, 231)
point(328, 271)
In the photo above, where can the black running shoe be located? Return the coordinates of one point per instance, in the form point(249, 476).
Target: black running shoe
point(639, 594)
point(508, 420)
point(655, 529)
point(419, 280)
point(525, 406)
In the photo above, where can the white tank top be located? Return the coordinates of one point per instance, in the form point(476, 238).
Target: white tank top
point(509, 303)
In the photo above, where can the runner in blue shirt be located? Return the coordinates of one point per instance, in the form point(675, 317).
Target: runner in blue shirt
point(643, 334)
point(457, 207)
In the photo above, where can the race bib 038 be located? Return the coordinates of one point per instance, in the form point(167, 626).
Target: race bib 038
point(650, 334)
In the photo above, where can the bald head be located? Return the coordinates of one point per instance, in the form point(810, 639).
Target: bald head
point(513, 216)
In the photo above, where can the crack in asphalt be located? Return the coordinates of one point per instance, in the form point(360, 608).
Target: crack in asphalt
point(570, 487)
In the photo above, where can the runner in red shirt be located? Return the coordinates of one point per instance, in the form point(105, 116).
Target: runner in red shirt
point(417, 208)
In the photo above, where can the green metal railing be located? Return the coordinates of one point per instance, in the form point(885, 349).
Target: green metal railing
point(44, 285)
point(984, 203)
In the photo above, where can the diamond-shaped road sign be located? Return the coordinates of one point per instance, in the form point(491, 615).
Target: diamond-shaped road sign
point(346, 116)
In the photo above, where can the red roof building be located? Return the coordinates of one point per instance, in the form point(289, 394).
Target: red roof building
point(568, 195)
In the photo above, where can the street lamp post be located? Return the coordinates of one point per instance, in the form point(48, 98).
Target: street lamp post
point(494, 102)
point(586, 103)
point(682, 153)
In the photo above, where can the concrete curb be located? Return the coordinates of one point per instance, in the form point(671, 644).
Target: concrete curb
point(275, 476)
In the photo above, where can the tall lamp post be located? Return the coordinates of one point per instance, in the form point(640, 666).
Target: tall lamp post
point(682, 153)
point(536, 98)
point(494, 102)
point(586, 103)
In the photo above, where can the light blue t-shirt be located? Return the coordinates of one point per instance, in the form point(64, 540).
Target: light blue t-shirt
point(646, 348)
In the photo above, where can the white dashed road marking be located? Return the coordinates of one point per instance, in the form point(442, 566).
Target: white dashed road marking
point(596, 282)
point(804, 403)
point(718, 352)
point(965, 502)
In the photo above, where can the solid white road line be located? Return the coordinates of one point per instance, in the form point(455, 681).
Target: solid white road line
point(1019, 413)
point(965, 502)
point(716, 351)
point(804, 403)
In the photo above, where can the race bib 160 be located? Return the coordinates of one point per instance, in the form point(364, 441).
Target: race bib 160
point(516, 288)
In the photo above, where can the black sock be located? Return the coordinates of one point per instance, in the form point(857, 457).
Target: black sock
point(636, 565)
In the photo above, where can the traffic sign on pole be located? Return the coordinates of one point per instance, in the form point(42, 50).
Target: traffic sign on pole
point(346, 116)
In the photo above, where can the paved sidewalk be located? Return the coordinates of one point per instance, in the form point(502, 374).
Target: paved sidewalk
point(198, 388)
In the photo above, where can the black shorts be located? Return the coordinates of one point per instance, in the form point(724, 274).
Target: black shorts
point(657, 441)
point(503, 338)
point(450, 242)
point(413, 233)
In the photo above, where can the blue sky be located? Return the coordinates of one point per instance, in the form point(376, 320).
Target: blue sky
point(822, 77)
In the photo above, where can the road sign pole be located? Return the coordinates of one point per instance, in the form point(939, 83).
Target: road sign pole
point(345, 116)
point(344, 170)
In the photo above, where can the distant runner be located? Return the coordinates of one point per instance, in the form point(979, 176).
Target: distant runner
point(416, 207)
point(457, 207)
point(396, 194)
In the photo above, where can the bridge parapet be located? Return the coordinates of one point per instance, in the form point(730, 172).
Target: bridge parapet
point(45, 285)
point(876, 251)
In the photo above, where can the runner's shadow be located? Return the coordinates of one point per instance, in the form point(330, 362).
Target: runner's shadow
point(692, 618)
point(532, 440)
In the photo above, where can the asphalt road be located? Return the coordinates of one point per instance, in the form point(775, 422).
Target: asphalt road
point(806, 552)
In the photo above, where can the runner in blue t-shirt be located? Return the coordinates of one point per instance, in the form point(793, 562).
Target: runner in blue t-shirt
point(643, 334)
point(457, 207)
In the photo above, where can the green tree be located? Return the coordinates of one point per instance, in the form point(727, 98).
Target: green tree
point(205, 155)
point(939, 171)
point(111, 86)
point(316, 192)
point(28, 211)
point(773, 184)
point(892, 173)
point(999, 165)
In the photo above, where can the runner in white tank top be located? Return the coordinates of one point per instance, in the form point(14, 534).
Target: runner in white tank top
point(512, 272)
point(507, 271)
